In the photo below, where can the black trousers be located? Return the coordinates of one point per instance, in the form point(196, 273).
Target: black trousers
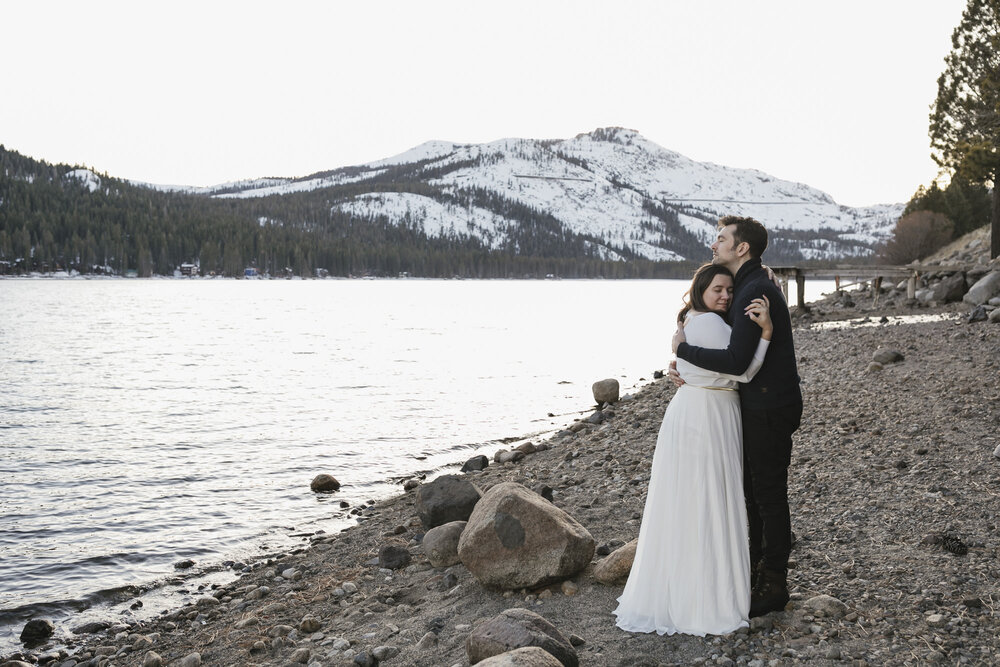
point(767, 452)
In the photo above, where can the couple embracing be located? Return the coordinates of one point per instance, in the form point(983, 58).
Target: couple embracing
point(719, 477)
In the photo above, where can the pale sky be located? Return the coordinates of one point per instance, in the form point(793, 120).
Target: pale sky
point(834, 95)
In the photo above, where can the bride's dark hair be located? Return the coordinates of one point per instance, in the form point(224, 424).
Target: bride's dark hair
point(694, 297)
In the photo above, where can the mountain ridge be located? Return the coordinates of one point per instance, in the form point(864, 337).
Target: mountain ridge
point(629, 173)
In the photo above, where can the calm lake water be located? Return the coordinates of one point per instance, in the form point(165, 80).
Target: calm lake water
point(143, 422)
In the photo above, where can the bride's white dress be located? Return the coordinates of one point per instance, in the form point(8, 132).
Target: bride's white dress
point(691, 572)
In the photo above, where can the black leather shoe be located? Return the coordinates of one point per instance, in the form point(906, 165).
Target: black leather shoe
point(771, 593)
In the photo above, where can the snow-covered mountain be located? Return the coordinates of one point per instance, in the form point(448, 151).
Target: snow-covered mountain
point(627, 195)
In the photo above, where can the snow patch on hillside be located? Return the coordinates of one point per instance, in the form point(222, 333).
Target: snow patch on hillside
point(89, 179)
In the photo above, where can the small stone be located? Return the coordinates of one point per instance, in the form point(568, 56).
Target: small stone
point(365, 659)
point(152, 659)
point(190, 660)
point(207, 601)
point(411, 484)
point(428, 641)
point(936, 620)
point(301, 656)
point(887, 356)
point(184, 564)
point(341, 644)
point(349, 587)
point(385, 652)
point(828, 604)
point(569, 588)
point(577, 640)
point(309, 625)
point(279, 631)
point(393, 557)
point(324, 483)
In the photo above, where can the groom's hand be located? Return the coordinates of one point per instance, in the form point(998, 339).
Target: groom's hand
point(678, 338)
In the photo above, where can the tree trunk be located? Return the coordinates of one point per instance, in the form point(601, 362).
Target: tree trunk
point(995, 226)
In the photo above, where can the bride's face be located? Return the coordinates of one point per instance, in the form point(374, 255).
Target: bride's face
point(719, 293)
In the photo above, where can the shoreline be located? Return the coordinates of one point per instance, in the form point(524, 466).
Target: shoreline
point(397, 609)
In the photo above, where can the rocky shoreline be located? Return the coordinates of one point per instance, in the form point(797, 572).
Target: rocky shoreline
point(895, 492)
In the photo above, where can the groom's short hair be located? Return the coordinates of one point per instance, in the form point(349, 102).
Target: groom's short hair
point(748, 231)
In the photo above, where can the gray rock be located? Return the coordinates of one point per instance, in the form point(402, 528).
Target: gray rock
point(411, 484)
point(426, 642)
point(950, 289)
point(887, 356)
point(515, 539)
point(191, 660)
point(994, 316)
point(36, 631)
point(616, 567)
point(300, 656)
point(441, 544)
point(518, 628)
point(324, 483)
point(448, 498)
point(365, 659)
point(529, 656)
point(996, 452)
point(476, 463)
point(977, 314)
point(508, 456)
point(605, 391)
point(545, 491)
point(309, 625)
point(828, 604)
point(152, 659)
point(385, 652)
point(91, 628)
point(984, 289)
point(393, 557)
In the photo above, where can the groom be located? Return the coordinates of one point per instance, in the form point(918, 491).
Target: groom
point(771, 405)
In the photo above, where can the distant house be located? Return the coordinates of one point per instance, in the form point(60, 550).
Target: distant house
point(250, 272)
point(189, 269)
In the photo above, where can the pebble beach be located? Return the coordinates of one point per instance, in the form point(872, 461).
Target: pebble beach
point(895, 499)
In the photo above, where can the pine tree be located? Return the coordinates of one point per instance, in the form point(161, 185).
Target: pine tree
point(965, 119)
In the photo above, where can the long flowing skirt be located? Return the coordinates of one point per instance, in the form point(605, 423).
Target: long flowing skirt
point(691, 572)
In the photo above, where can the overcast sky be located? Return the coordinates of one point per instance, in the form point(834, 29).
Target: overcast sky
point(834, 95)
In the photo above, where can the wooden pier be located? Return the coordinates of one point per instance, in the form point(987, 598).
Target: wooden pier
point(857, 274)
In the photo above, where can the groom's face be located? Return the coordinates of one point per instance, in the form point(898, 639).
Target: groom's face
point(724, 250)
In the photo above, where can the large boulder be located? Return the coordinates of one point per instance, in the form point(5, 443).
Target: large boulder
point(518, 628)
point(529, 656)
point(616, 567)
point(985, 289)
point(950, 289)
point(448, 498)
point(605, 391)
point(441, 544)
point(517, 539)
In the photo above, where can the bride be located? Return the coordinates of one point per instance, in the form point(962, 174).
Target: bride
point(691, 572)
